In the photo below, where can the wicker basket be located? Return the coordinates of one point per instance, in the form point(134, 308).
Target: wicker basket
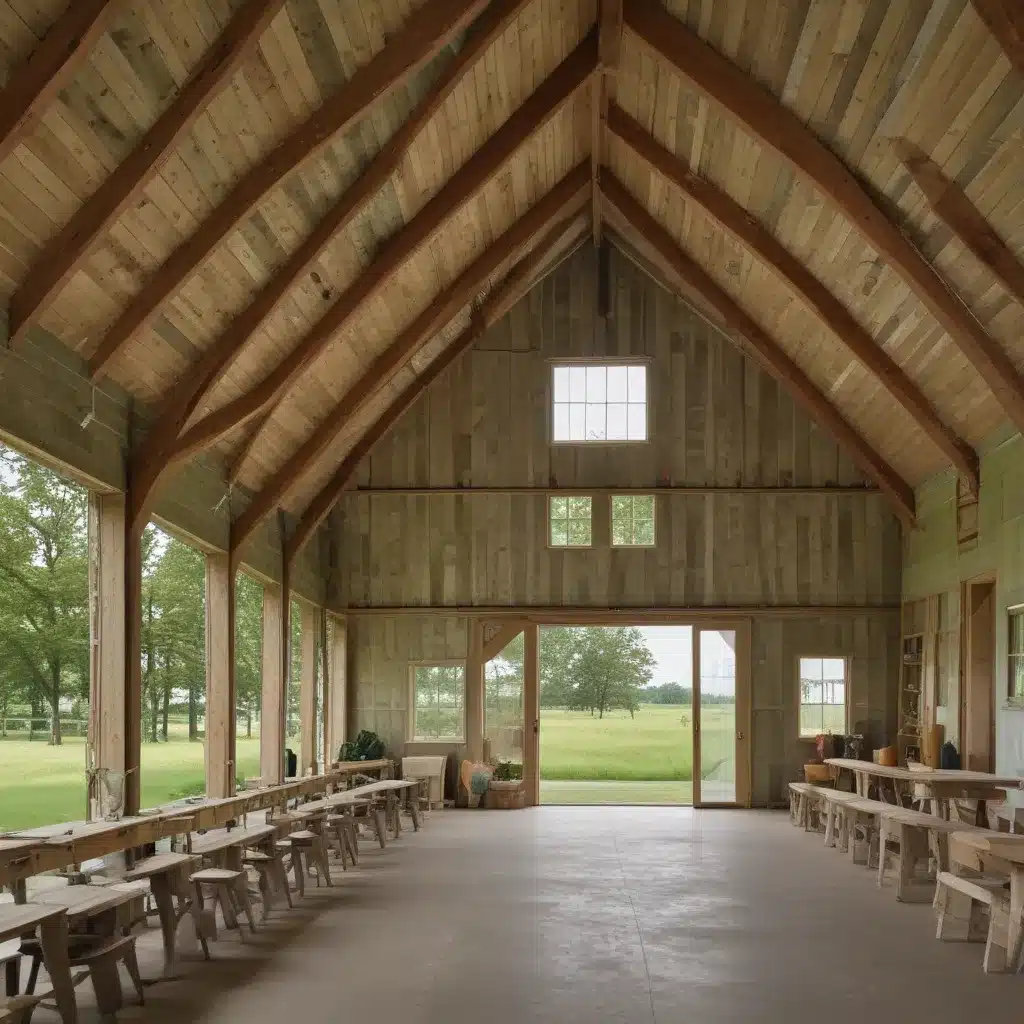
point(817, 773)
point(505, 796)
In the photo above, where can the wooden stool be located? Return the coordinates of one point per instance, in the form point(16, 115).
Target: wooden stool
point(960, 903)
point(10, 959)
point(313, 842)
point(344, 827)
point(102, 960)
point(295, 851)
point(264, 865)
point(227, 890)
point(17, 1009)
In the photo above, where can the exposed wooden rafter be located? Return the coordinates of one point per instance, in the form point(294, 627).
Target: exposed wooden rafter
point(530, 118)
point(564, 200)
point(832, 313)
point(962, 217)
point(33, 86)
point(686, 272)
point(1005, 20)
point(65, 252)
point(764, 117)
point(519, 281)
point(609, 47)
point(428, 29)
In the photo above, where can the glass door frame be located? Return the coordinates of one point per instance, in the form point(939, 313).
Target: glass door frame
point(744, 723)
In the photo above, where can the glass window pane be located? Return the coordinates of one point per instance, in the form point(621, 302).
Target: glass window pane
point(810, 668)
point(596, 423)
point(577, 422)
point(637, 384)
point(643, 506)
point(560, 426)
point(579, 508)
point(620, 532)
point(617, 422)
point(579, 532)
point(643, 531)
point(559, 508)
point(617, 376)
point(636, 425)
point(1017, 632)
point(1017, 678)
point(596, 388)
point(833, 668)
point(559, 532)
point(560, 390)
point(577, 383)
point(621, 506)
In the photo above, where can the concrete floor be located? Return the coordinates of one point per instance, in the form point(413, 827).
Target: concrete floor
point(593, 914)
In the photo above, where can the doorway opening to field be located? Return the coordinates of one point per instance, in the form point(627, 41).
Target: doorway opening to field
point(635, 714)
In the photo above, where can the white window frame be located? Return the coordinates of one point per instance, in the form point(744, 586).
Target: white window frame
point(410, 731)
point(568, 546)
point(583, 365)
point(654, 520)
point(799, 695)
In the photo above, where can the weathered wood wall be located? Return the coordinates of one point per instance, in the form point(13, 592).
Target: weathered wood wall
point(715, 420)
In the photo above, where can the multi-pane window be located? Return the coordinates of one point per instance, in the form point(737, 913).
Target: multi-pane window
point(1015, 651)
point(569, 522)
point(438, 702)
point(822, 696)
point(632, 520)
point(599, 403)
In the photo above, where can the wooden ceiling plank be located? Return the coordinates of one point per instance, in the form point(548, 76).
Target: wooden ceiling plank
point(962, 217)
point(218, 358)
point(535, 112)
point(518, 283)
point(765, 118)
point(684, 269)
point(65, 252)
point(563, 201)
point(428, 29)
point(832, 313)
point(34, 85)
point(1005, 20)
point(609, 48)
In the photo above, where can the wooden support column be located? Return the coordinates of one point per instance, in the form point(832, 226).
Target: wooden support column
point(475, 692)
point(336, 710)
point(307, 690)
point(273, 696)
point(286, 652)
point(106, 642)
point(220, 677)
point(531, 714)
point(132, 687)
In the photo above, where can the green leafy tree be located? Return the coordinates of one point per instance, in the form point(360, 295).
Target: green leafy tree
point(44, 614)
point(248, 649)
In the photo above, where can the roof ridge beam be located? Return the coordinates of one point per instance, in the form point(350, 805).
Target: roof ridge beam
point(765, 118)
point(770, 354)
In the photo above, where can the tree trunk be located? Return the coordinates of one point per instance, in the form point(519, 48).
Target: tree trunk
point(55, 737)
point(248, 724)
point(166, 708)
point(150, 659)
point(193, 727)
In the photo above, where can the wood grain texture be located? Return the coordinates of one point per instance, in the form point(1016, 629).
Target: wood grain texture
point(768, 351)
point(427, 30)
point(1005, 20)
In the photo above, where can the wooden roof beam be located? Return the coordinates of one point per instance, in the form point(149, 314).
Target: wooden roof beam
point(520, 280)
point(609, 48)
point(34, 85)
point(1005, 20)
point(962, 217)
point(770, 354)
point(564, 200)
point(529, 119)
point(829, 310)
point(766, 119)
point(428, 29)
point(65, 252)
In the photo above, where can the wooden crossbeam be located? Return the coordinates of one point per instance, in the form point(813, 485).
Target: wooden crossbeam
point(829, 310)
point(962, 217)
point(211, 366)
point(685, 270)
point(1005, 20)
point(507, 632)
point(33, 86)
point(563, 200)
point(428, 29)
point(530, 118)
point(520, 280)
point(609, 47)
point(64, 253)
point(765, 118)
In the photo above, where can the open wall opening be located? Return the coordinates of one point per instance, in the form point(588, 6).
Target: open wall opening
point(248, 674)
point(44, 644)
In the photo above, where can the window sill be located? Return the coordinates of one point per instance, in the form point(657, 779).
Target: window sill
point(454, 741)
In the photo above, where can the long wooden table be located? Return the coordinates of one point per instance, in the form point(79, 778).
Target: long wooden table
point(17, 919)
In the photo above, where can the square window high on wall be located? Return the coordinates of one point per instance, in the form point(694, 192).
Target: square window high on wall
point(438, 702)
point(570, 521)
point(822, 684)
point(632, 520)
point(598, 403)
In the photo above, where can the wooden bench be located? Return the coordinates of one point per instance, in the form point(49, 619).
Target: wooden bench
point(961, 903)
point(101, 961)
point(804, 805)
point(830, 802)
point(17, 1009)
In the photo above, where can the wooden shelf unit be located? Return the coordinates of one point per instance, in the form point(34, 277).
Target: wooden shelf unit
point(911, 723)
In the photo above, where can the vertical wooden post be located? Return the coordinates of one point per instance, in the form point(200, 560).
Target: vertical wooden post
point(475, 692)
point(132, 687)
point(107, 706)
point(220, 676)
point(531, 713)
point(273, 694)
point(337, 703)
point(286, 653)
point(307, 691)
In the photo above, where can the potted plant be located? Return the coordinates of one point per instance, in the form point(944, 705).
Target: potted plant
point(505, 791)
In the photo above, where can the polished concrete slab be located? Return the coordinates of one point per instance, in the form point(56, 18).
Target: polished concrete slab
point(594, 914)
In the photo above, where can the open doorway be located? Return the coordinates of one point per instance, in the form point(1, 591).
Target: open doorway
point(638, 715)
point(977, 696)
